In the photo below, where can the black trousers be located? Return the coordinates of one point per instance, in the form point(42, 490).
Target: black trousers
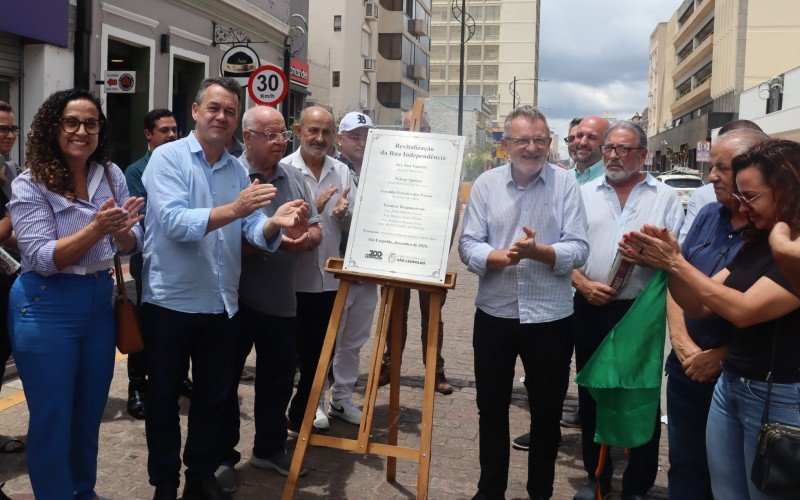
point(172, 339)
point(274, 340)
point(313, 314)
point(137, 362)
point(545, 350)
point(591, 325)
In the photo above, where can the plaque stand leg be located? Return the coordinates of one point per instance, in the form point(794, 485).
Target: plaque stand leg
point(391, 307)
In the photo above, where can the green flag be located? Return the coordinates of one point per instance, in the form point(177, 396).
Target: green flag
point(624, 374)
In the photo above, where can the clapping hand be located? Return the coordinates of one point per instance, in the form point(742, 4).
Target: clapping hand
point(342, 204)
point(117, 221)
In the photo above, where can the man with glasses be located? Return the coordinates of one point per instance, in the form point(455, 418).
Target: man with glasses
point(622, 200)
point(698, 346)
point(267, 314)
point(9, 130)
point(441, 385)
point(159, 128)
point(330, 182)
point(524, 233)
point(572, 144)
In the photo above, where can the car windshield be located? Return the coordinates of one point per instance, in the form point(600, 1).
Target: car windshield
point(684, 183)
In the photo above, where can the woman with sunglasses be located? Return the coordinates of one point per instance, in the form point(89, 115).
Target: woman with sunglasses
point(61, 317)
point(754, 296)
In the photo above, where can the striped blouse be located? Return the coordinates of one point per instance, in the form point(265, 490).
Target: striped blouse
point(41, 217)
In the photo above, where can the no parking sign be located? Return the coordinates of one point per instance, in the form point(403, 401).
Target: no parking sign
point(268, 85)
point(703, 151)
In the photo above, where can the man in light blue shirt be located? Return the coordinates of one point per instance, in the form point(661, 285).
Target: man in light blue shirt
point(524, 232)
point(200, 206)
point(588, 138)
point(621, 201)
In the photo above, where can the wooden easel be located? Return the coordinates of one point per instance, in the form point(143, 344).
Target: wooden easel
point(390, 312)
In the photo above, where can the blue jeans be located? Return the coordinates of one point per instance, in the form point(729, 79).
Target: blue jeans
point(62, 333)
point(733, 424)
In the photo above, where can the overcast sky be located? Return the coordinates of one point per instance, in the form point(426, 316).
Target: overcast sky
point(593, 55)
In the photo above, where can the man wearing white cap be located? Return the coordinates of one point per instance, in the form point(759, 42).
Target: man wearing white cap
point(356, 323)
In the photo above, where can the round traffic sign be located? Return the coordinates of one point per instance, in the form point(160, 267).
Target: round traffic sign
point(268, 85)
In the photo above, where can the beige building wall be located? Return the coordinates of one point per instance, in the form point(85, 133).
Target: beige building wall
point(656, 77)
point(519, 53)
point(773, 39)
point(343, 51)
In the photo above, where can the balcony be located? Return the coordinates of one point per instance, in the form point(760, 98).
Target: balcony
point(700, 52)
point(692, 25)
point(692, 99)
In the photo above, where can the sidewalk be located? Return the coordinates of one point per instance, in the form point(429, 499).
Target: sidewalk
point(336, 474)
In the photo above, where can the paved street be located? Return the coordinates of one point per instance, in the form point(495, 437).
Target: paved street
point(335, 474)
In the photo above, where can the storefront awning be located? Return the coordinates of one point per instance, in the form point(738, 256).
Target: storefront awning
point(43, 20)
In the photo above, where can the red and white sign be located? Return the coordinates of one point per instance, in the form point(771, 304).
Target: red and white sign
point(268, 85)
point(703, 151)
point(120, 82)
point(299, 72)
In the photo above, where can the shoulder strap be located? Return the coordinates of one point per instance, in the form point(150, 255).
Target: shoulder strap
point(776, 334)
point(117, 262)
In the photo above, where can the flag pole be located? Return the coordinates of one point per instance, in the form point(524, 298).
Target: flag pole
point(601, 464)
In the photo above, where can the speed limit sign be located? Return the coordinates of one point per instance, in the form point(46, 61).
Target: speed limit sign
point(268, 85)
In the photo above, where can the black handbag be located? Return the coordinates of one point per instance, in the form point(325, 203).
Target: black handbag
point(776, 464)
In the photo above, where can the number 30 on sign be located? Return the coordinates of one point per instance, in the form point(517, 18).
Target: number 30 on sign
point(268, 85)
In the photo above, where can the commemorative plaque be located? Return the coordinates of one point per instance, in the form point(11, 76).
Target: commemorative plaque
point(405, 205)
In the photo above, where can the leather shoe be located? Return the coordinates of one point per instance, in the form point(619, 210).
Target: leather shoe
point(384, 376)
point(588, 492)
point(166, 492)
point(186, 387)
point(442, 385)
point(136, 406)
point(204, 490)
point(571, 421)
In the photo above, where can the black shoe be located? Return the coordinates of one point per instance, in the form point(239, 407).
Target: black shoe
point(522, 442)
point(571, 421)
point(166, 492)
point(186, 387)
point(136, 406)
point(280, 461)
point(588, 492)
point(204, 490)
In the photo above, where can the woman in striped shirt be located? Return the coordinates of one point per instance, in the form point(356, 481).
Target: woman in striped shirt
point(61, 316)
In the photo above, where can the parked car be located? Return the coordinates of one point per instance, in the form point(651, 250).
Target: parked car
point(684, 184)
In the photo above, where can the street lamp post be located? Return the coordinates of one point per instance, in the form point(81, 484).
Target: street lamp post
point(467, 27)
point(512, 89)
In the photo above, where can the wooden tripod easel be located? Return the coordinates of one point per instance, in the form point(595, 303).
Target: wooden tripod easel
point(391, 307)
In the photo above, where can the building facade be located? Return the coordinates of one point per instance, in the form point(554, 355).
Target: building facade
point(443, 115)
point(501, 57)
point(710, 51)
point(774, 105)
point(336, 28)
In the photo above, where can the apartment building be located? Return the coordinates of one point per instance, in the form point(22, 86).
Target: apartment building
point(336, 29)
point(501, 57)
point(700, 62)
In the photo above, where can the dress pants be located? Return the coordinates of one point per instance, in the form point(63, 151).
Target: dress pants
point(62, 333)
point(688, 403)
point(591, 325)
point(313, 315)
point(545, 350)
point(172, 339)
point(424, 308)
point(354, 330)
point(274, 340)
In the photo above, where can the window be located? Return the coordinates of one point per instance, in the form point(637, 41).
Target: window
point(390, 45)
point(392, 5)
point(336, 77)
point(364, 95)
point(389, 94)
point(365, 35)
point(337, 23)
point(491, 52)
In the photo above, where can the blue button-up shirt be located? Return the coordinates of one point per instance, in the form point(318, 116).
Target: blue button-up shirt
point(186, 269)
point(497, 209)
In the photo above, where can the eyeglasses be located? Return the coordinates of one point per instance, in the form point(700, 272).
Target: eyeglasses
point(5, 130)
point(71, 125)
point(356, 137)
point(749, 202)
point(274, 136)
point(622, 151)
point(569, 139)
point(523, 142)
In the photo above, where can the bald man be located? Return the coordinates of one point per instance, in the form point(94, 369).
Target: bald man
point(588, 139)
point(330, 183)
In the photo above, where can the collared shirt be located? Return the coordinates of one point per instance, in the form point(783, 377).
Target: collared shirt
point(277, 268)
point(186, 269)
point(650, 202)
point(590, 174)
point(701, 197)
point(497, 209)
point(41, 217)
point(311, 275)
point(133, 176)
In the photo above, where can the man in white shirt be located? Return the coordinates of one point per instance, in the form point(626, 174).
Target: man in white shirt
point(330, 182)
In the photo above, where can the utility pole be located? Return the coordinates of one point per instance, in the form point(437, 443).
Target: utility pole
point(461, 69)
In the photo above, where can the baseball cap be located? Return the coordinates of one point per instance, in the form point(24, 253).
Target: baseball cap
point(354, 120)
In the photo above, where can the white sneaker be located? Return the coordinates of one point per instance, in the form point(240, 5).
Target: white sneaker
point(346, 410)
point(320, 419)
